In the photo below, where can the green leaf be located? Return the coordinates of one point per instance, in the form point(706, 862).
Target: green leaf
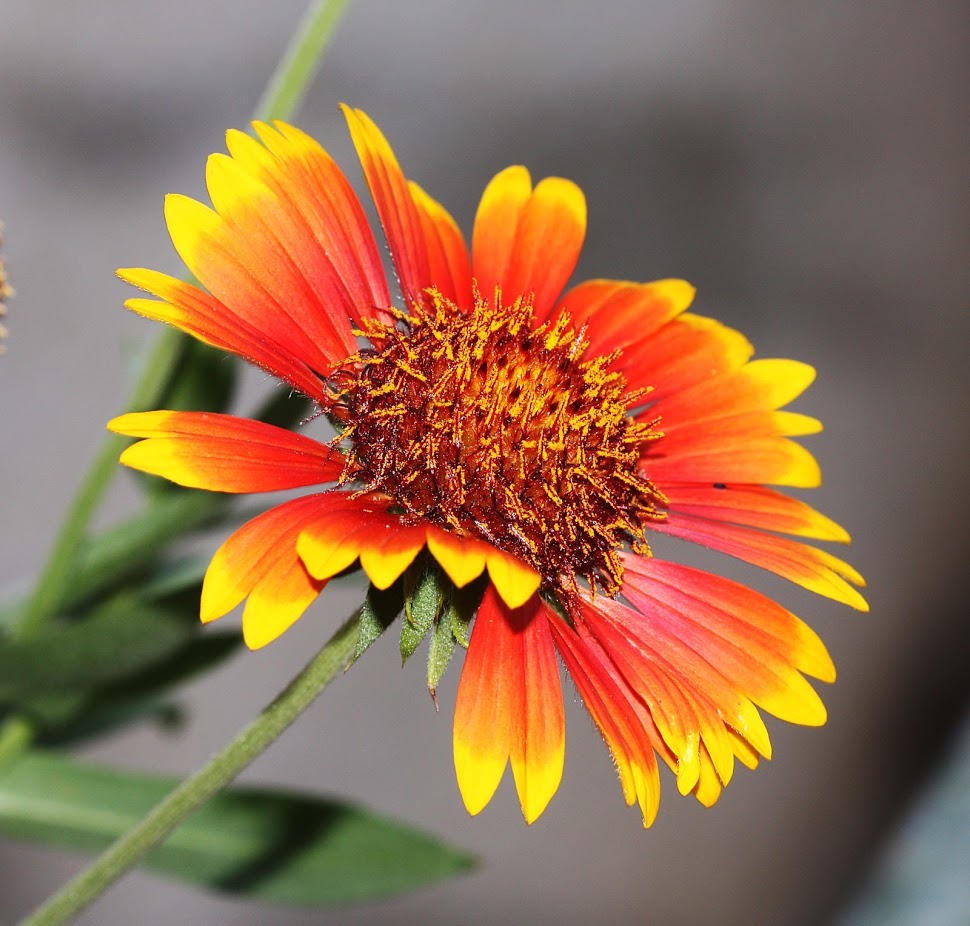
point(132, 546)
point(99, 717)
point(451, 629)
point(139, 697)
point(377, 613)
point(203, 652)
point(422, 605)
point(204, 380)
point(464, 603)
point(440, 651)
point(176, 577)
point(284, 408)
point(122, 638)
point(269, 845)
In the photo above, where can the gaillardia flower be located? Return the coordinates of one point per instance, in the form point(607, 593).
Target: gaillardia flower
point(539, 439)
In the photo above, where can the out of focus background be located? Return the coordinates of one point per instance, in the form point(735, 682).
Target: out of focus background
point(805, 165)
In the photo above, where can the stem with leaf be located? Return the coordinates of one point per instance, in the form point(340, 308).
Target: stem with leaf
point(195, 791)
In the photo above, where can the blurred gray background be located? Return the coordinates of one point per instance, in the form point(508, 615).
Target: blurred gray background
point(803, 164)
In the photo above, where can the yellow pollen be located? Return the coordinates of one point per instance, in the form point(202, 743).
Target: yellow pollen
point(499, 429)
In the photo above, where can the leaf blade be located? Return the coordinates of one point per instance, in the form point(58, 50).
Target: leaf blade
point(270, 845)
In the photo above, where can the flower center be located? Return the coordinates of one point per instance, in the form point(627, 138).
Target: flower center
point(495, 428)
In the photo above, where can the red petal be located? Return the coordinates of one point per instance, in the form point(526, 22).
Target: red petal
point(449, 269)
point(616, 717)
point(813, 569)
point(755, 506)
point(708, 701)
point(758, 646)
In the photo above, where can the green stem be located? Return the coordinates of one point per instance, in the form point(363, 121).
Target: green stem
point(293, 74)
point(283, 94)
point(55, 578)
point(189, 796)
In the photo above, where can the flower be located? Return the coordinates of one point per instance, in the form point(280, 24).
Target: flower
point(541, 438)
point(6, 292)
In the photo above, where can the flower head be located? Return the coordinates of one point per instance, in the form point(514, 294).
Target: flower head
point(510, 430)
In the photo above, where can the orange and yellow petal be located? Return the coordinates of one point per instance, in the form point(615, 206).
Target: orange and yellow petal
point(259, 561)
point(426, 246)
point(359, 527)
point(464, 558)
point(320, 193)
point(727, 427)
point(758, 386)
point(395, 207)
point(617, 315)
point(527, 240)
point(751, 455)
point(758, 646)
point(509, 707)
point(279, 248)
point(538, 743)
point(449, 266)
point(231, 264)
point(681, 715)
point(811, 568)
point(285, 247)
point(687, 350)
point(366, 528)
point(222, 453)
point(197, 313)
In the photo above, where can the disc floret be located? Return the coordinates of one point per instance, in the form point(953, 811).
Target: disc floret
point(495, 427)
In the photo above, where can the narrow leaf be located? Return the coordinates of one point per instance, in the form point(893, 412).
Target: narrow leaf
point(270, 845)
point(125, 636)
point(204, 380)
point(284, 408)
point(129, 547)
point(440, 651)
point(450, 630)
point(377, 613)
point(422, 605)
point(464, 603)
point(139, 697)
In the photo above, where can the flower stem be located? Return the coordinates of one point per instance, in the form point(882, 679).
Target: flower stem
point(56, 576)
point(281, 98)
point(293, 74)
point(195, 791)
